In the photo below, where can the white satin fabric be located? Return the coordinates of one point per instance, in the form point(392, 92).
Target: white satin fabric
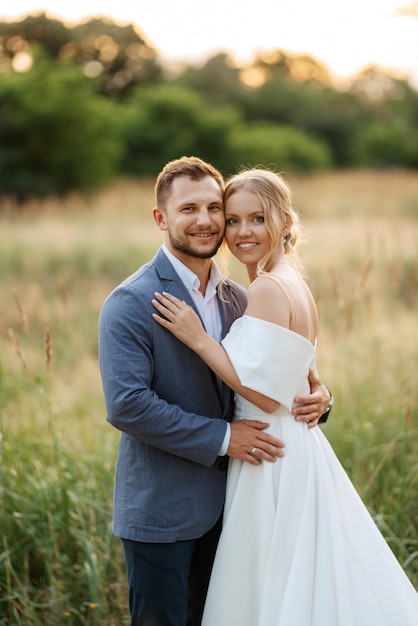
point(298, 546)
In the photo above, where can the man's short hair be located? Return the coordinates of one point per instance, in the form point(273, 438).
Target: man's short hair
point(191, 167)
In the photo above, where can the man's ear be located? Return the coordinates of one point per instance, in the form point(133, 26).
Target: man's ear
point(159, 218)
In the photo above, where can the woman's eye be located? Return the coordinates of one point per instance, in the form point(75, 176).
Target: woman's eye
point(259, 219)
point(231, 221)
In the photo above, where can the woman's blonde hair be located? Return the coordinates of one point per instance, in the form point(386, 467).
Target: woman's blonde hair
point(276, 199)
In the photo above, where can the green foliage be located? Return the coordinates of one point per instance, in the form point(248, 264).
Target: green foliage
point(102, 104)
point(59, 563)
point(162, 123)
point(56, 134)
point(284, 147)
point(294, 91)
point(165, 122)
point(50, 34)
point(117, 54)
point(387, 145)
point(217, 81)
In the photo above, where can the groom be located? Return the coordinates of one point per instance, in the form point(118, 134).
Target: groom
point(174, 414)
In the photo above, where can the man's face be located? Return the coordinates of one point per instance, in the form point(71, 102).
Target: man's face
point(193, 218)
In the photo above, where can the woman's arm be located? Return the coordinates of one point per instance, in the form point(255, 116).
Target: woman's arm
point(182, 321)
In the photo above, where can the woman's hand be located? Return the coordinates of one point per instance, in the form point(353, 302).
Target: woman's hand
point(179, 318)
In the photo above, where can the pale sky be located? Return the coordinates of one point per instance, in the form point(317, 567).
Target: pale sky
point(346, 35)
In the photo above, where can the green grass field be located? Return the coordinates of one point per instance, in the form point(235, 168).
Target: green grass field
point(59, 562)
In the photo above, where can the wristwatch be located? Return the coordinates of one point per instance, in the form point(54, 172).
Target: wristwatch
point(325, 415)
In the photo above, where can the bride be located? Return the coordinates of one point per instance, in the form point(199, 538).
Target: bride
point(298, 547)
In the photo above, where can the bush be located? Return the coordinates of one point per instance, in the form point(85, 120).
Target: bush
point(387, 145)
point(285, 147)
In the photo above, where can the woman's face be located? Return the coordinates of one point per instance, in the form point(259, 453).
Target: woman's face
point(246, 233)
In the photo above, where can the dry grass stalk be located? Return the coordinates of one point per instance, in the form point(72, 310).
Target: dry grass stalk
point(341, 301)
point(18, 348)
point(408, 416)
point(48, 349)
point(337, 288)
point(24, 322)
point(63, 293)
point(365, 273)
point(349, 317)
point(388, 454)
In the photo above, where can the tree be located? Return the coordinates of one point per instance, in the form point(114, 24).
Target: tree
point(217, 80)
point(389, 138)
point(117, 55)
point(301, 68)
point(165, 122)
point(56, 134)
point(387, 145)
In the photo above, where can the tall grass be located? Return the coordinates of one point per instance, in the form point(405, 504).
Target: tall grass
point(59, 563)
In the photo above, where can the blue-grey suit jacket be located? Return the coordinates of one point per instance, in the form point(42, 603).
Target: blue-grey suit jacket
point(170, 407)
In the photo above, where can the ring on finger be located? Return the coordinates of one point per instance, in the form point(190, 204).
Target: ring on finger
point(253, 450)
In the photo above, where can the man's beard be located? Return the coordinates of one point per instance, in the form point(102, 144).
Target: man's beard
point(184, 248)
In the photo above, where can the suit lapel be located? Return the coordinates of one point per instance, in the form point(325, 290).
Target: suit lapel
point(171, 281)
point(227, 305)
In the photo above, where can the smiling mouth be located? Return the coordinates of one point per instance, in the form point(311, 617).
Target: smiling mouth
point(246, 246)
point(203, 235)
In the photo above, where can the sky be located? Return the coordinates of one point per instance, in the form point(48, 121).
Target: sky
point(347, 35)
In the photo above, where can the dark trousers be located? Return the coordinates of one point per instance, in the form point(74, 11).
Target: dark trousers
point(168, 581)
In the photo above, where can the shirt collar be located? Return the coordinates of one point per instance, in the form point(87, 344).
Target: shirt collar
point(189, 278)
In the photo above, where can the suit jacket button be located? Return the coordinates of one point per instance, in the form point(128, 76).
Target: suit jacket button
point(223, 465)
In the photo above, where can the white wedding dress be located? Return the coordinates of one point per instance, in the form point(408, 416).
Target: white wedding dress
point(298, 546)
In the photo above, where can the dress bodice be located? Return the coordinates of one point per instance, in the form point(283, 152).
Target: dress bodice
point(269, 359)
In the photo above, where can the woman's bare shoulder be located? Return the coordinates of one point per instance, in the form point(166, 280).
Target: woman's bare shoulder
point(267, 301)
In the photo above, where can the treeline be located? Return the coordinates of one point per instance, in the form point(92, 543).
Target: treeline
point(81, 105)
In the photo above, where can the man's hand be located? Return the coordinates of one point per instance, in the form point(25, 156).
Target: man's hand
point(310, 408)
point(250, 443)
